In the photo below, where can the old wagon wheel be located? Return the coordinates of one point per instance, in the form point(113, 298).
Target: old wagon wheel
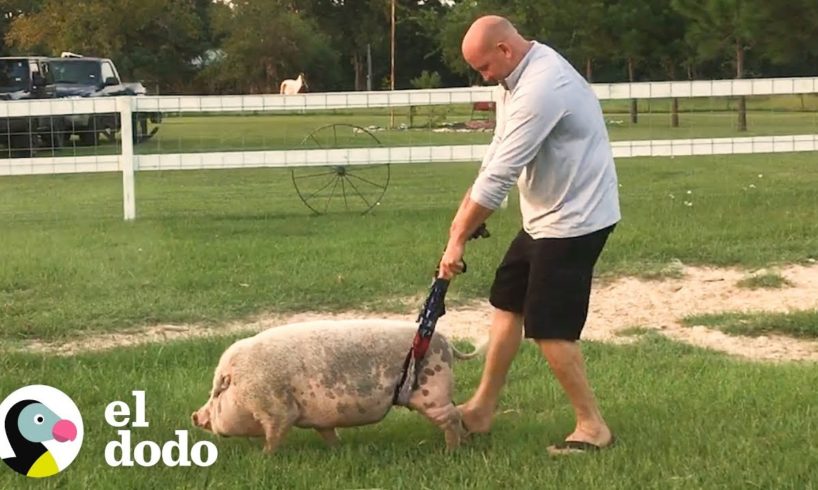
point(341, 186)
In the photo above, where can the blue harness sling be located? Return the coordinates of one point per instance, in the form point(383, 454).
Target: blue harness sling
point(433, 308)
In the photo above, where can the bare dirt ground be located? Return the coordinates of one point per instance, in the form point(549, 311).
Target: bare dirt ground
point(616, 305)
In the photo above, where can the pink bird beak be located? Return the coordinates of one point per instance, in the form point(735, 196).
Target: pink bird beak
point(64, 430)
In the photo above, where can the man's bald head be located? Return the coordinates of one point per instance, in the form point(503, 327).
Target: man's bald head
point(486, 32)
point(493, 47)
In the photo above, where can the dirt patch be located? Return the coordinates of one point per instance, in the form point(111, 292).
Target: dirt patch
point(616, 305)
point(660, 305)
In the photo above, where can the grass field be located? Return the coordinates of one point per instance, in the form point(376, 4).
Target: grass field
point(799, 324)
point(685, 418)
point(214, 246)
point(210, 246)
point(215, 133)
point(769, 280)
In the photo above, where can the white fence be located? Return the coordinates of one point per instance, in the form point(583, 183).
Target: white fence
point(128, 163)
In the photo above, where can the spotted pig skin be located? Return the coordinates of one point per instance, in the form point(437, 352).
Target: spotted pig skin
point(325, 375)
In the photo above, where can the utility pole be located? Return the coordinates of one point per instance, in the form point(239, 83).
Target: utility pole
point(368, 67)
point(392, 69)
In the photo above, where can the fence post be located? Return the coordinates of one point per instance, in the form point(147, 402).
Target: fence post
point(126, 163)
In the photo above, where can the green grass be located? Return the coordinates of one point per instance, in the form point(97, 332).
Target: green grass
point(191, 133)
point(685, 418)
point(634, 331)
point(216, 133)
point(264, 132)
point(766, 280)
point(699, 118)
point(777, 103)
point(659, 271)
point(715, 124)
point(799, 324)
point(211, 246)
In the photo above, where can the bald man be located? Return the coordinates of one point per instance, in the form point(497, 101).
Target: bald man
point(551, 141)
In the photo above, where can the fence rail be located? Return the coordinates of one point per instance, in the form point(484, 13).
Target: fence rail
point(128, 163)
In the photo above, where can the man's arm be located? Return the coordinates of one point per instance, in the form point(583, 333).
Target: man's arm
point(468, 218)
point(526, 130)
point(463, 201)
point(462, 211)
point(527, 127)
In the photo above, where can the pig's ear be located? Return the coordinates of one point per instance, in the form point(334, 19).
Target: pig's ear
point(222, 384)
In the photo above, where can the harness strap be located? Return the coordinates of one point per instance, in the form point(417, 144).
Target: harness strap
point(433, 309)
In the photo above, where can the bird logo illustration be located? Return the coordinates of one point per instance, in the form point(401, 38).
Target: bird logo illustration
point(29, 424)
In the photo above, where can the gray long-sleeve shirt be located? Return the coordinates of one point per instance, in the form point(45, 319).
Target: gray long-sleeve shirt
point(551, 140)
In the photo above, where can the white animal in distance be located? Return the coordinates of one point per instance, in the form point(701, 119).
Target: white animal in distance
point(290, 86)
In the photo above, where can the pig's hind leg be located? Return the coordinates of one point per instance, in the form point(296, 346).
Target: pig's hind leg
point(330, 436)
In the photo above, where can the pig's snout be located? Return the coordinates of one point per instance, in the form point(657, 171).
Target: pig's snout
point(201, 419)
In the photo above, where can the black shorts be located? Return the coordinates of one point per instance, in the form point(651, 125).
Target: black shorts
point(548, 281)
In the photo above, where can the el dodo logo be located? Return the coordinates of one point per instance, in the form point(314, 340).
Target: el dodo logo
point(176, 452)
point(40, 431)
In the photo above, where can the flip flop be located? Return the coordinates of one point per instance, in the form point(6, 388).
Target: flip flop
point(577, 447)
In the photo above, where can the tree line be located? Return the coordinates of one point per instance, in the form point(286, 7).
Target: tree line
point(250, 46)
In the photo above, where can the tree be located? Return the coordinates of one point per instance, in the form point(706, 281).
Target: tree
point(264, 43)
point(151, 40)
point(790, 34)
point(418, 47)
point(632, 30)
point(450, 34)
point(718, 27)
point(671, 53)
point(580, 29)
point(351, 25)
point(11, 10)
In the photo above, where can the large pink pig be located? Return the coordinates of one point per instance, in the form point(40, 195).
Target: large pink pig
point(324, 375)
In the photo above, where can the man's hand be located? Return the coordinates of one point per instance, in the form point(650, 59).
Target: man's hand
point(452, 261)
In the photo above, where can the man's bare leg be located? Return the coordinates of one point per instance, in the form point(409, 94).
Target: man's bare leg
point(565, 359)
point(505, 335)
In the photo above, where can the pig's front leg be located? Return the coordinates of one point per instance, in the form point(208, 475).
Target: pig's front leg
point(275, 428)
point(444, 415)
point(276, 417)
point(433, 399)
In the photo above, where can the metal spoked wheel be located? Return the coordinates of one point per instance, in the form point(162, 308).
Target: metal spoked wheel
point(341, 187)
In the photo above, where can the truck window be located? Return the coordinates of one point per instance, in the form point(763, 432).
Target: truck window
point(76, 72)
point(107, 71)
point(13, 75)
